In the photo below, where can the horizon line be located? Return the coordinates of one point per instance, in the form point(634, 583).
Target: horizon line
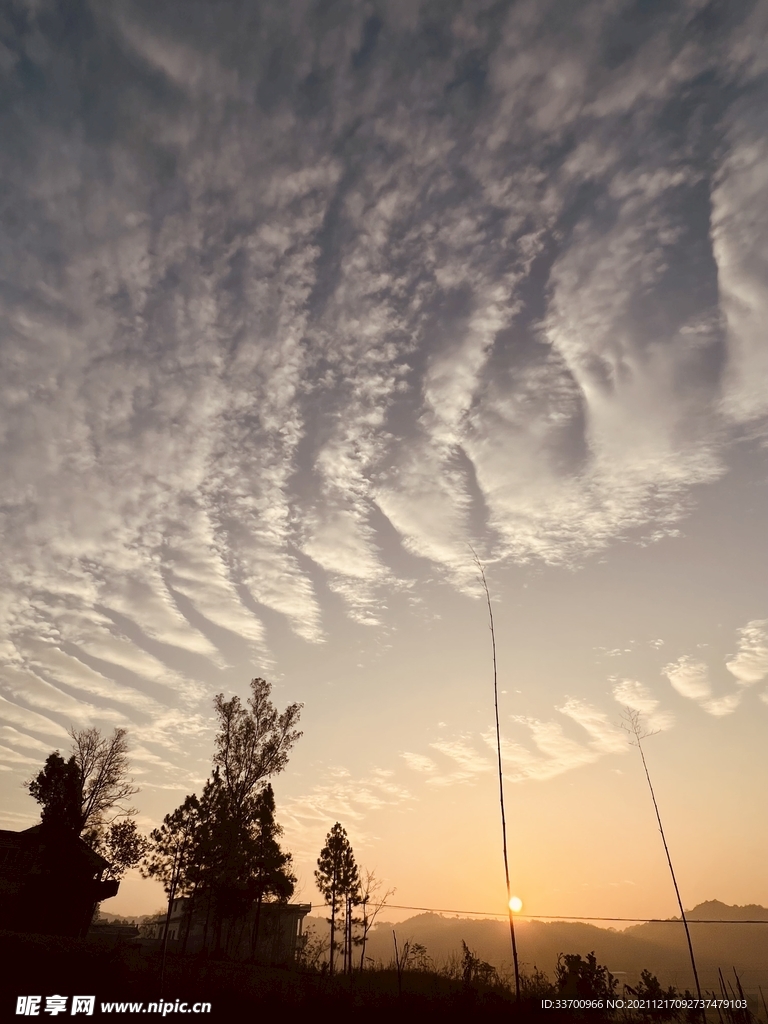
point(564, 917)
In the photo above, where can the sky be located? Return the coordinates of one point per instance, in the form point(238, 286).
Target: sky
point(301, 302)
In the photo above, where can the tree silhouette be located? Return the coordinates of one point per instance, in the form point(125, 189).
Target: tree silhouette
point(370, 887)
point(252, 744)
point(171, 851)
point(652, 994)
point(586, 978)
point(85, 796)
point(123, 846)
point(172, 845)
point(270, 867)
point(221, 850)
point(103, 767)
point(58, 789)
point(82, 800)
point(338, 879)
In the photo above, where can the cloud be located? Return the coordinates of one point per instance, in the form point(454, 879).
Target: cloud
point(689, 677)
point(47, 658)
point(550, 750)
point(719, 706)
point(751, 662)
point(635, 695)
point(13, 758)
point(338, 797)
point(43, 695)
point(606, 736)
point(470, 763)
point(27, 721)
point(424, 496)
point(556, 752)
point(740, 246)
point(23, 740)
point(261, 324)
point(419, 762)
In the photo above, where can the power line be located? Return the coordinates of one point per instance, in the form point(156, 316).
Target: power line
point(563, 917)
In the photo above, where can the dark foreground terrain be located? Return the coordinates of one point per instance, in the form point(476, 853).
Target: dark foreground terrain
point(116, 973)
point(123, 972)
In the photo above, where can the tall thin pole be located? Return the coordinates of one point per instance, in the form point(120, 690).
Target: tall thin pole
point(634, 726)
point(501, 776)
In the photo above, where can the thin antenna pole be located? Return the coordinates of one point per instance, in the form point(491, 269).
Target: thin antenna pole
point(501, 775)
point(635, 728)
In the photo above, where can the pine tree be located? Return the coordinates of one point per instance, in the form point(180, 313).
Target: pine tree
point(172, 847)
point(252, 744)
point(269, 868)
point(172, 851)
point(338, 880)
point(222, 849)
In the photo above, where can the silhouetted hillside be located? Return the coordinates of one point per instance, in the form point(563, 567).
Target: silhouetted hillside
point(660, 948)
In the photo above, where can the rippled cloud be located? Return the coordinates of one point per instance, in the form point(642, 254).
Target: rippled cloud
point(270, 322)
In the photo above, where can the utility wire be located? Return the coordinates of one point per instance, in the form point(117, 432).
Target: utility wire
point(554, 918)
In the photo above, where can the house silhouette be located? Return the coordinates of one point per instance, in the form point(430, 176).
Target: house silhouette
point(50, 881)
point(271, 933)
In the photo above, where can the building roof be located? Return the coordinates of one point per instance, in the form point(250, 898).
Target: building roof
point(35, 835)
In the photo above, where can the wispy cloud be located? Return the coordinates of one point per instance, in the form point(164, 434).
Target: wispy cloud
point(636, 695)
point(419, 762)
point(750, 665)
point(468, 760)
point(549, 751)
point(691, 677)
point(339, 797)
point(605, 735)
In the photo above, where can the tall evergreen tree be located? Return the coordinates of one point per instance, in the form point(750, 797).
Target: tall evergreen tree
point(172, 849)
point(221, 849)
point(270, 872)
point(338, 879)
point(252, 744)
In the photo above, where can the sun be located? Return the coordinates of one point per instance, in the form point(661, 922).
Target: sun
point(516, 904)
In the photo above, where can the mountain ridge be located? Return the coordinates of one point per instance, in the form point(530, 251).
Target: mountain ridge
point(656, 946)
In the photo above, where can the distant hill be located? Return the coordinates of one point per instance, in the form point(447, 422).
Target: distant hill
point(715, 910)
point(127, 919)
point(660, 948)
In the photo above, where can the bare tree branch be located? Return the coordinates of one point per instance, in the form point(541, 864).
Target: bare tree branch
point(103, 767)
